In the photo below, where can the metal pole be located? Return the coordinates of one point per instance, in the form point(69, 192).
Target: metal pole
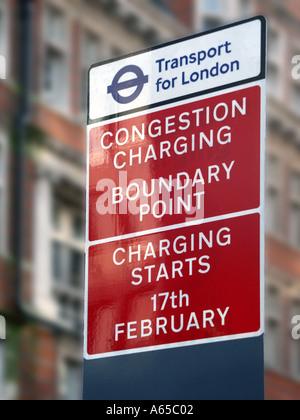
point(25, 9)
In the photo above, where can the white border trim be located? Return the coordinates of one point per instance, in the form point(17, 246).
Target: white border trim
point(175, 345)
point(175, 227)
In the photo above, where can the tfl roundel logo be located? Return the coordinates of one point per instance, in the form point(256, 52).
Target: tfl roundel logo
point(118, 86)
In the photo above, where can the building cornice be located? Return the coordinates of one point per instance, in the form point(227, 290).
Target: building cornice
point(143, 19)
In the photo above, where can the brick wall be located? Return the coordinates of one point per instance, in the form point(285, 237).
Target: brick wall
point(283, 257)
point(183, 10)
point(7, 295)
point(279, 388)
point(58, 127)
point(293, 7)
point(37, 364)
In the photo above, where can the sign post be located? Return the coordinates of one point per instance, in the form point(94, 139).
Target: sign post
point(174, 302)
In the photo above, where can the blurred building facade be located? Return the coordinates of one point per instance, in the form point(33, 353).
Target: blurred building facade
point(49, 46)
point(282, 352)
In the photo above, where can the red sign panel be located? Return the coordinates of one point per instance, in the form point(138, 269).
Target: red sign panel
point(190, 162)
point(199, 283)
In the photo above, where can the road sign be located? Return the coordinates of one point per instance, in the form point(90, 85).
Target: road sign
point(175, 197)
point(221, 58)
point(201, 283)
point(138, 165)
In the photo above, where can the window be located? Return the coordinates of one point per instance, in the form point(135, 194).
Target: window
point(9, 373)
point(273, 328)
point(295, 344)
point(54, 81)
point(295, 185)
point(295, 97)
point(3, 159)
point(55, 74)
point(272, 344)
point(211, 23)
point(272, 211)
point(273, 169)
point(67, 265)
point(67, 260)
point(90, 49)
point(213, 6)
point(55, 25)
point(90, 55)
point(273, 76)
point(276, 45)
point(161, 4)
point(116, 52)
point(294, 231)
point(210, 14)
point(3, 30)
point(273, 43)
point(273, 196)
point(3, 33)
point(73, 381)
point(294, 219)
point(245, 8)
point(272, 301)
point(212, 11)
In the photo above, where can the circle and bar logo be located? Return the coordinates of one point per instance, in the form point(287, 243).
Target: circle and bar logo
point(118, 86)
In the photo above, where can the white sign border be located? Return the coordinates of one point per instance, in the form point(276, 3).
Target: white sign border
point(260, 211)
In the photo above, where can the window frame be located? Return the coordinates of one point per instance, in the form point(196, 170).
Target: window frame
point(63, 290)
point(63, 48)
point(274, 317)
point(84, 66)
point(274, 185)
point(295, 97)
point(293, 202)
point(276, 89)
